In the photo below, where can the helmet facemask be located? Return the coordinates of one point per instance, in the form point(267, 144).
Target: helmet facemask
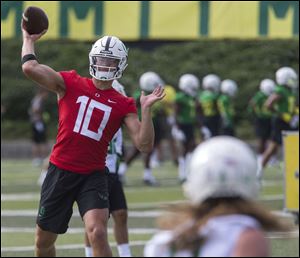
point(105, 68)
point(108, 59)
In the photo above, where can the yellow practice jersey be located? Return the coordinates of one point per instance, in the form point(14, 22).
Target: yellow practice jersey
point(169, 100)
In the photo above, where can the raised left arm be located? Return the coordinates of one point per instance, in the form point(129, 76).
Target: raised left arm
point(142, 132)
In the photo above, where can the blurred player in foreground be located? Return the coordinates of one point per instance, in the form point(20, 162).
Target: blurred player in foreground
point(90, 113)
point(222, 219)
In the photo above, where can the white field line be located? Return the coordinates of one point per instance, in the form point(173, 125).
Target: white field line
point(133, 231)
point(282, 235)
point(62, 247)
point(33, 213)
point(131, 214)
point(20, 197)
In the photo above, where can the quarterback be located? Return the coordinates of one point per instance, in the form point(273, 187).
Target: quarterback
point(90, 113)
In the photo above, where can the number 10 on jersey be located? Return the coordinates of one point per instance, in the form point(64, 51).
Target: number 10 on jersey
point(85, 120)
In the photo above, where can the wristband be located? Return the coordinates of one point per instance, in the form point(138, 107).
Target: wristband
point(28, 58)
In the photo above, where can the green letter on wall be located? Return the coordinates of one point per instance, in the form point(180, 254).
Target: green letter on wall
point(280, 9)
point(81, 9)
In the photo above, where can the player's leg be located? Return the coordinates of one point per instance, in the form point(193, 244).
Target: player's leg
point(44, 243)
point(276, 139)
point(148, 177)
point(45, 167)
point(270, 151)
point(93, 203)
point(118, 209)
point(124, 165)
point(95, 221)
point(121, 232)
point(55, 208)
point(88, 248)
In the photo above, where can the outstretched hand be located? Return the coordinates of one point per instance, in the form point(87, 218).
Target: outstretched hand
point(149, 100)
point(33, 37)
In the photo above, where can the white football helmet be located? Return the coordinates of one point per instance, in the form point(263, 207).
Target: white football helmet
point(150, 80)
point(287, 76)
point(211, 82)
point(108, 58)
point(267, 86)
point(229, 87)
point(119, 87)
point(189, 84)
point(221, 167)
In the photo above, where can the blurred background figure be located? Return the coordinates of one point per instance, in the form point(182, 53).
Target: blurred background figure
point(262, 115)
point(226, 106)
point(283, 104)
point(210, 117)
point(222, 219)
point(186, 118)
point(38, 118)
point(168, 121)
point(148, 82)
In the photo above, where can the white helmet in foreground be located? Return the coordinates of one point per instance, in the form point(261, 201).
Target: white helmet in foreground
point(150, 80)
point(221, 167)
point(229, 87)
point(267, 86)
point(211, 82)
point(108, 58)
point(189, 84)
point(119, 87)
point(287, 76)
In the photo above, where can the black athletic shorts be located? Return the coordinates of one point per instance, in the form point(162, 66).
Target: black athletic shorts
point(278, 125)
point(62, 188)
point(117, 199)
point(229, 131)
point(39, 132)
point(188, 130)
point(263, 128)
point(213, 123)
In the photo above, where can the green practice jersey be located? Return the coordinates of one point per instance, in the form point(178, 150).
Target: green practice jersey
point(258, 107)
point(208, 102)
point(226, 109)
point(187, 108)
point(285, 106)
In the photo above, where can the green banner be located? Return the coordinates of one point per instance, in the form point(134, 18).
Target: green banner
point(167, 20)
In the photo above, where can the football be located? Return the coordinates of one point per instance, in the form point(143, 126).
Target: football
point(35, 20)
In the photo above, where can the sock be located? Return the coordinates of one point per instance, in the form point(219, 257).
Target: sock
point(148, 173)
point(122, 168)
point(124, 250)
point(88, 251)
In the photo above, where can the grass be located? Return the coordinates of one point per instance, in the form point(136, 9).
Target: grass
point(19, 177)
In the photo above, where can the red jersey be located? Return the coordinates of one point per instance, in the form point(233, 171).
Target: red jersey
point(88, 120)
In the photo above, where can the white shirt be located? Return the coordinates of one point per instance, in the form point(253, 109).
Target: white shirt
point(221, 234)
point(114, 151)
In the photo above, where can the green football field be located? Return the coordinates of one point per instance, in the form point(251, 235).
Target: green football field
point(20, 195)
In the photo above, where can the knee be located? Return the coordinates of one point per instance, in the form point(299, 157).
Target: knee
point(97, 234)
point(42, 243)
